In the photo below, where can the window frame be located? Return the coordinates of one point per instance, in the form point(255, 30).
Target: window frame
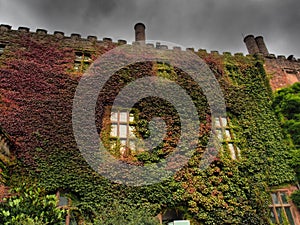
point(281, 205)
point(129, 123)
point(222, 127)
point(83, 59)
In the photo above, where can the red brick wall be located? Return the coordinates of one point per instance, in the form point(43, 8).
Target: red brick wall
point(282, 72)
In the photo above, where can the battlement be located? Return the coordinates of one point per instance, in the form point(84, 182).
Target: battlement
point(59, 35)
point(255, 45)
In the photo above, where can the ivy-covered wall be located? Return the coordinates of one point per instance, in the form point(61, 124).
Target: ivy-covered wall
point(37, 87)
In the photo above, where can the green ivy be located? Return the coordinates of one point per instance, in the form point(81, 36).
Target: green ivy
point(30, 205)
point(227, 192)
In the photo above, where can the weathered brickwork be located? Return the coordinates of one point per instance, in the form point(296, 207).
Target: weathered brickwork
point(282, 72)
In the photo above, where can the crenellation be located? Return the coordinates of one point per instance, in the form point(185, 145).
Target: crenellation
point(150, 45)
point(214, 52)
point(5, 27)
point(75, 37)
point(271, 56)
point(59, 34)
point(227, 53)
point(177, 48)
point(164, 47)
point(92, 38)
point(122, 42)
point(41, 31)
point(106, 39)
point(190, 49)
point(281, 57)
point(239, 54)
point(202, 51)
point(24, 29)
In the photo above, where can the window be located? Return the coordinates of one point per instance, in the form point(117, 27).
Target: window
point(82, 61)
point(224, 133)
point(122, 130)
point(280, 208)
point(2, 47)
point(66, 203)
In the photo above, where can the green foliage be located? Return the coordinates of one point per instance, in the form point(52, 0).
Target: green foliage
point(118, 213)
point(287, 107)
point(227, 192)
point(31, 206)
point(296, 198)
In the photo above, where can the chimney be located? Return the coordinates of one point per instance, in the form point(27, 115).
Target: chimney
point(140, 32)
point(261, 45)
point(251, 44)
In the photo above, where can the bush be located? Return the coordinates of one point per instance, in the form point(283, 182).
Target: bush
point(31, 206)
point(124, 214)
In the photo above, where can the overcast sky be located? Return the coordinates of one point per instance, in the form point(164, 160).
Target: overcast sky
point(209, 24)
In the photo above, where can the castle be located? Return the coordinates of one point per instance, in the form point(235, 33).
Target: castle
point(39, 73)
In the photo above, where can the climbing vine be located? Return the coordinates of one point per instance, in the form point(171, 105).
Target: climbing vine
point(36, 104)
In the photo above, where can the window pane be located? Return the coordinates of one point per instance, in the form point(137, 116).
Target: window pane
point(227, 133)
point(217, 122)
point(232, 152)
point(123, 116)
point(219, 134)
point(114, 130)
point(224, 122)
point(275, 198)
point(78, 55)
point(87, 57)
point(114, 116)
point(280, 214)
point(63, 201)
point(289, 215)
point(123, 131)
point(272, 216)
point(283, 198)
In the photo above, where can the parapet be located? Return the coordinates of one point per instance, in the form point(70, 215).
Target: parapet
point(4, 27)
point(255, 45)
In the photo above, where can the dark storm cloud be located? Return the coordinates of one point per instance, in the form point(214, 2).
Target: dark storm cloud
point(70, 13)
point(210, 24)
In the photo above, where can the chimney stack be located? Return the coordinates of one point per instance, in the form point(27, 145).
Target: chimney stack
point(251, 44)
point(140, 32)
point(261, 45)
